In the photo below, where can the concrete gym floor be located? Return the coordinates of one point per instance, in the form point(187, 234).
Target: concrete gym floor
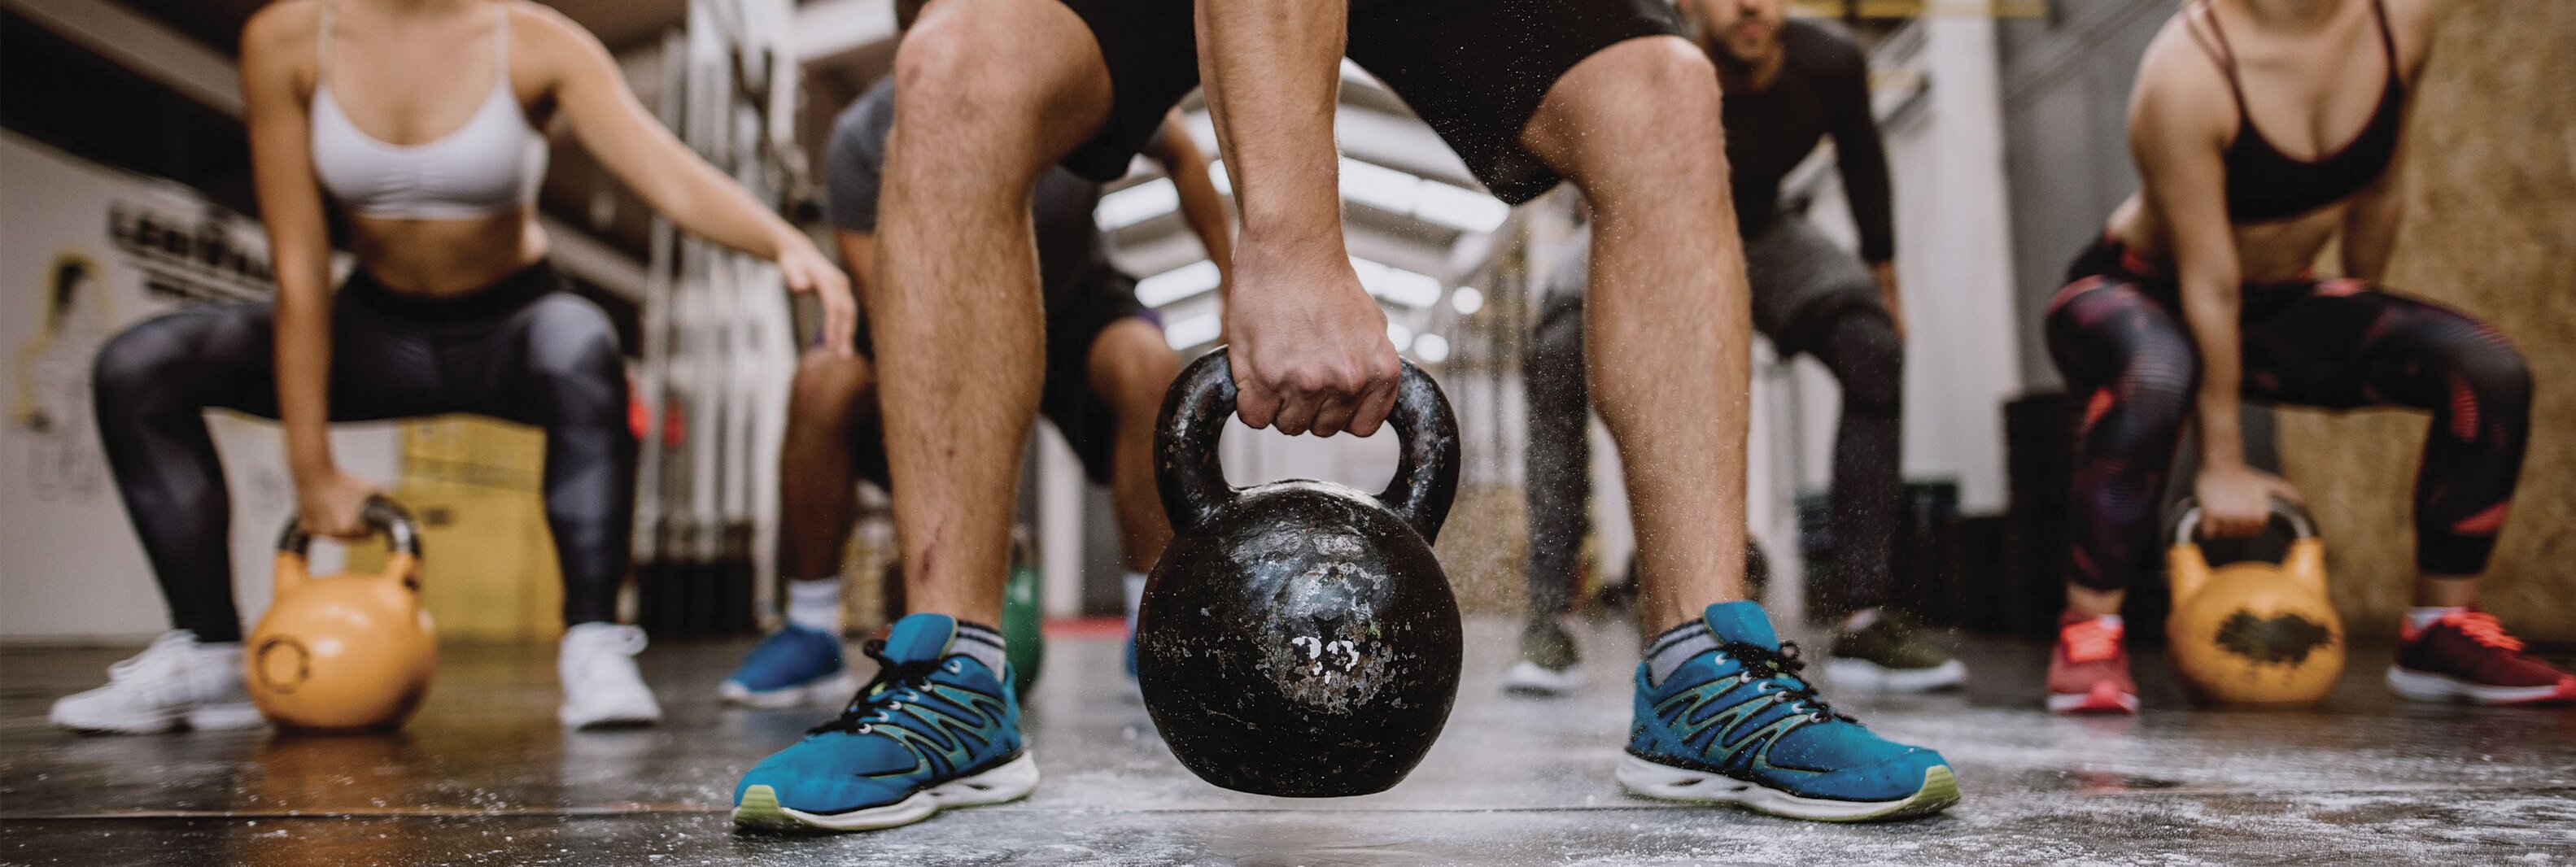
point(485, 776)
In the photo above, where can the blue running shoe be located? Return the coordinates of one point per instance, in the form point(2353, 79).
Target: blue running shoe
point(791, 667)
point(1737, 725)
point(934, 729)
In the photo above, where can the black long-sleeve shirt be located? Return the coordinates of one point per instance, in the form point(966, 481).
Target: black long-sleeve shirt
point(1823, 89)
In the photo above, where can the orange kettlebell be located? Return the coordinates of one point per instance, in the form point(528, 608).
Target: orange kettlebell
point(344, 652)
point(2254, 633)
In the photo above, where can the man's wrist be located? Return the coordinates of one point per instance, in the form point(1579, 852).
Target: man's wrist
point(1290, 244)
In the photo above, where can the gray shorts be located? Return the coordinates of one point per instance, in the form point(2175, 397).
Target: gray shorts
point(1801, 281)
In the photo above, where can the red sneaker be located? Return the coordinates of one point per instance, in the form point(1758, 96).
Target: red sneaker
point(2467, 656)
point(2089, 671)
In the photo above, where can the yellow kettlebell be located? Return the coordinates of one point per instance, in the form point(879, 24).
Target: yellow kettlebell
point(344, 652)
point(2254, 633)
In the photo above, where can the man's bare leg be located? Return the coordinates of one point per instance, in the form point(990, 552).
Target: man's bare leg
point(1131, 369)
point(816, 501)
point(832, 397)
point(1668, 335)
point(990, 93)
point(1668, 319)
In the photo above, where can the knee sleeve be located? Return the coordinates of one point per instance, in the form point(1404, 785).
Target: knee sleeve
point(1862, 349)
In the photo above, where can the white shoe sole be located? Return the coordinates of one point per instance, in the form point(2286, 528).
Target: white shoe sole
point(208, 718)
point(829, 690)
point(647, 713)
point(1010, 782)
point(1656, 780)
point(2088, 703)
point(1530, 678)
point(1866, 676)
point(2428, 686)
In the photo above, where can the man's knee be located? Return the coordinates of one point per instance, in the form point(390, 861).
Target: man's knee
point(828, 387)
point(1132, 366)
point(1648, 105)
point(1868, 358)
point(947, 59)
point(952, 89)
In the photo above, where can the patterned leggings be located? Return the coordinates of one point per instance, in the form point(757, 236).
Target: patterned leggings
point(2117, 334)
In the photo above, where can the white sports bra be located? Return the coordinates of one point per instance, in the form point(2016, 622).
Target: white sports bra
point(491, 165)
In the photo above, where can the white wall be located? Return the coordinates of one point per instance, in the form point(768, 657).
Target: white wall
point(1953, 262)
point(70, 564)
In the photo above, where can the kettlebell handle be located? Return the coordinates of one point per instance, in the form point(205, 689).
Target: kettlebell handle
point(1192, 481)
point(2187, 528)
point(386, 516)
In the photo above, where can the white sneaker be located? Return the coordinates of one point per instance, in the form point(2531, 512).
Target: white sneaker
point(1532, 679)
point(174, 683)
point(601, 686)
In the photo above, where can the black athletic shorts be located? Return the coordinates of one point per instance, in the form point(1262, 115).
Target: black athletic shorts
point(1100, 298)
point(1474, 69)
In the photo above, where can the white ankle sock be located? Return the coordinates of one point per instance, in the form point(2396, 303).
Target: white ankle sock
point(2422, 616)
point(1135, 582)
point(815, 604)
point(984, 643)
point(1676, 646)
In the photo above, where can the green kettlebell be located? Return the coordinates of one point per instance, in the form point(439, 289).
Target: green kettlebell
point(1023, 640)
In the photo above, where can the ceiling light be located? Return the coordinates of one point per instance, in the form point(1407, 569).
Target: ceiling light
point(1380, 187)
point(1467, 300)
point(1178, 283)
point(1191, 331)
point(1396, 285)
point(1431, 348)
point(1459, 207)
point(1136, 204)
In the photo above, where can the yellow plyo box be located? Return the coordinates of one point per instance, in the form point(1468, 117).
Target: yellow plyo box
point(488, 570)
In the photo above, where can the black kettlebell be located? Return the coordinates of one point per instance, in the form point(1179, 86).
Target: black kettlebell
point(1297, 638)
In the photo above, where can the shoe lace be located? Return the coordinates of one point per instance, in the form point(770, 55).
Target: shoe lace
point(896, 681)
point(2090, 640)
point(2483, 628)
point(1771, 666)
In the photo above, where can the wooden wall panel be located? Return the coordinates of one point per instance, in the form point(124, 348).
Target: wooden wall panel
point(2490, 230)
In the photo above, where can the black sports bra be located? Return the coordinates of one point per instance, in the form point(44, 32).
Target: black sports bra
point(2264, 184)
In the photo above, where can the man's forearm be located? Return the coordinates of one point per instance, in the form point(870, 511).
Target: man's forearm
point(1273, 69)
point(1201, 206)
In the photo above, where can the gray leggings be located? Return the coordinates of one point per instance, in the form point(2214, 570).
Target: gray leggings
point(1808, 296)
point(517, 350)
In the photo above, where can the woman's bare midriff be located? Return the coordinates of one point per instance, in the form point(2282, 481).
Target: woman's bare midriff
point(441, 258)
point(2270, 252)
